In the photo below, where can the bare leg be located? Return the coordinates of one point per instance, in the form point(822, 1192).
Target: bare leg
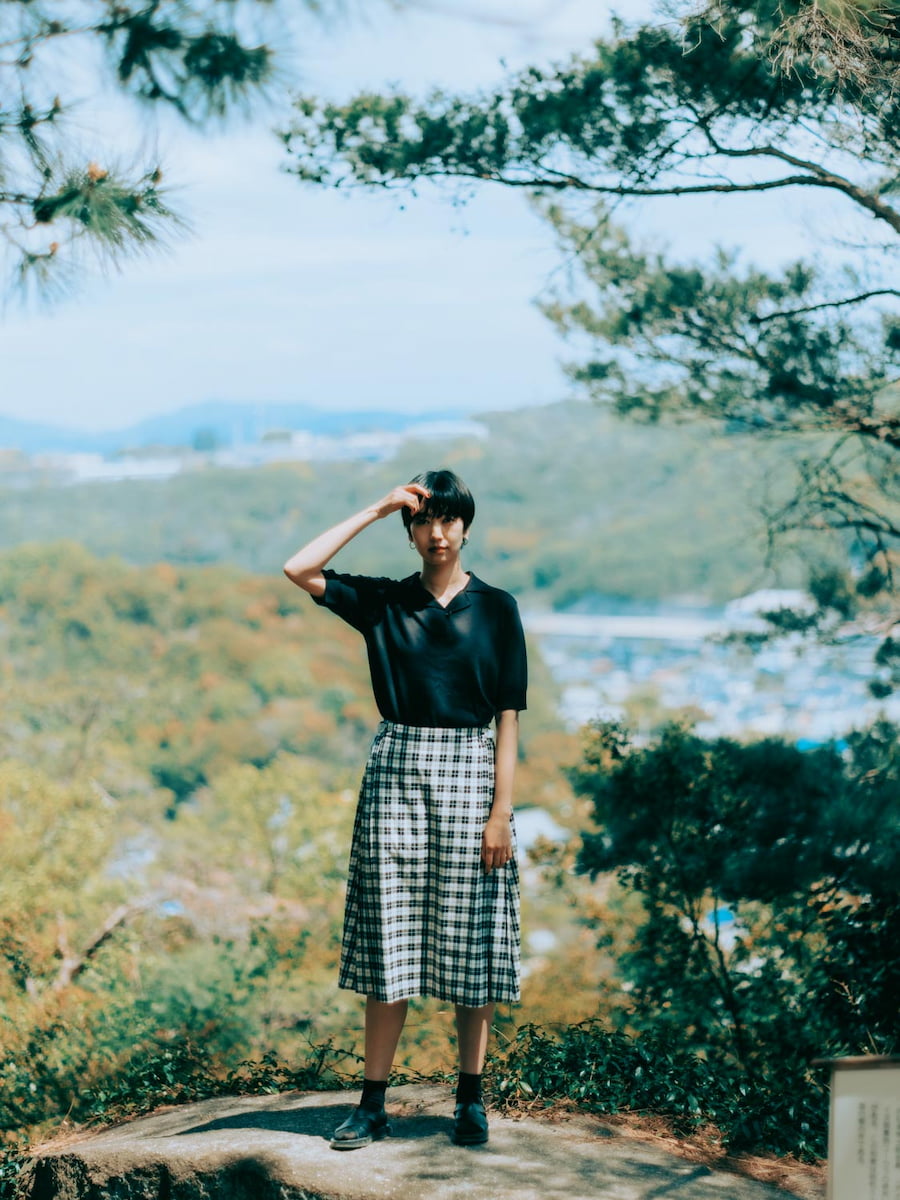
point(384, 1023)
point(470, 1126)
point(369, 1121)
point(472, 1028)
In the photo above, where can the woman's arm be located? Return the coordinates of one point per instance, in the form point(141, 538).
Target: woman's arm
point(496, 841)
point(305, 567)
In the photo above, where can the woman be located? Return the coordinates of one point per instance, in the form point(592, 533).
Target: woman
point(433, 894)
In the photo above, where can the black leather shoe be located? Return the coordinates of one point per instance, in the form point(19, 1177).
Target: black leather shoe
point(361, 1128)
point(470, 1126)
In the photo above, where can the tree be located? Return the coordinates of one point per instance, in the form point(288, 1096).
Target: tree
point(703, 106)
point(854, 40)
point(196, 59)
point(767, 877)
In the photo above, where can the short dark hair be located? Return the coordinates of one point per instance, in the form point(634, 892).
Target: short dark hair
point(449, 497)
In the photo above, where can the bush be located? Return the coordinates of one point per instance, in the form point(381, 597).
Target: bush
point(606, 1071)
point(767, 878)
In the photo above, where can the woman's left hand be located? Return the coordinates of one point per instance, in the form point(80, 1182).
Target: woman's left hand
point(496, 843)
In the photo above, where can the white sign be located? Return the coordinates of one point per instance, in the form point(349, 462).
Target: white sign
point(864, 1141)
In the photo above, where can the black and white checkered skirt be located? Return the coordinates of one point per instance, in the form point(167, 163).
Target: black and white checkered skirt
point(422, 918)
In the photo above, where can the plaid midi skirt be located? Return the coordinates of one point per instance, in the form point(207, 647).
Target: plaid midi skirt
point(422, 918)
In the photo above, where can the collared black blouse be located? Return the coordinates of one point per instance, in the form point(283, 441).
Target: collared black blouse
point(453, 667)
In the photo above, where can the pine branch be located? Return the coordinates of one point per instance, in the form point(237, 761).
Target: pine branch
point(818, 176)
point(755, 319)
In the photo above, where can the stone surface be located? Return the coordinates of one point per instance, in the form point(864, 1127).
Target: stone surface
point(277, 1148)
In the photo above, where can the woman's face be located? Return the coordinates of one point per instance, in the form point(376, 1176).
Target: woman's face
point(437, 539)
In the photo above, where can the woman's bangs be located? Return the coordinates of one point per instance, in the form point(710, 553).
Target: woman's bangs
point(445, 507)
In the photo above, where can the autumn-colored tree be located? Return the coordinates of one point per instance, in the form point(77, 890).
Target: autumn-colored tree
point(181, 750)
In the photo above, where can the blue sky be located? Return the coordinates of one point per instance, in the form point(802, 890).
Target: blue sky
point(285, 293)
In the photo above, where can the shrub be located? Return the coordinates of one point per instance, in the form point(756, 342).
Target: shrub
point(606, 1071)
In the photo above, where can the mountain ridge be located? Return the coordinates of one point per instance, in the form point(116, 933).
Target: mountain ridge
point(217, 422)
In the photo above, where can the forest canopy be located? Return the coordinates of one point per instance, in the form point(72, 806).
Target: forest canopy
point(182, 743)
point(180, 746)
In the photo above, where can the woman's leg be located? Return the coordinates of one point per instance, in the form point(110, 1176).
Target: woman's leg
point(473, 1025)
point(472, 1028)
point(384, 1024)
point(369, 1120)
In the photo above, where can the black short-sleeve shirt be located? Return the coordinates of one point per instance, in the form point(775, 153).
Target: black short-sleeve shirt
point(453, 667)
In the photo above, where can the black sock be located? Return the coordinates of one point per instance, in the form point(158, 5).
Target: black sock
point(373, 1094)
point(468, 1089)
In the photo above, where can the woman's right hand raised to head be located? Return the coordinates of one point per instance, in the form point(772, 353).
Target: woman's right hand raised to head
point(408, 495)
point(305, 567)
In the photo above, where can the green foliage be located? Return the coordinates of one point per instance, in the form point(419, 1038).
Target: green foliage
point(647, 103)
point(177, 1073)
point(767, 878)
point(201, 1006)
point(690, 816)
point(728, 342)
point(712, 1029)
point(187, 1072)
point(767, 355)
point(196, 59)
point(12, 1163)
point(606, 1071)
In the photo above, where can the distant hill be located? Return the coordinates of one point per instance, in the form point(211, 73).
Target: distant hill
point(572, 503)
point(212, 422)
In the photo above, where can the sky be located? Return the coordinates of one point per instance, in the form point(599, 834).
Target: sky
point(284, 293)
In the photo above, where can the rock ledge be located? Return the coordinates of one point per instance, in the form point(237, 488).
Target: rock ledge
point(276, 1148)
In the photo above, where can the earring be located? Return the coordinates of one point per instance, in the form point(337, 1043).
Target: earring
point(465, 541)
point(412, 544)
